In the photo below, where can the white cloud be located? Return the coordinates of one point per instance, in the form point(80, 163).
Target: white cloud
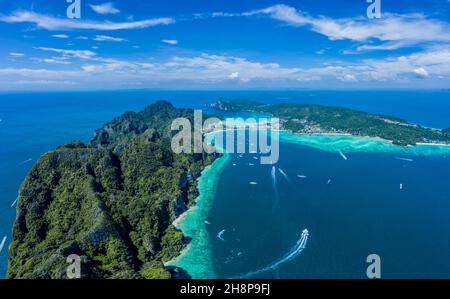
point(81, 54)
point(320, 52)
point(386, 46)
point(82, 37)
point(203, 68)
point(347, 78)
point(16, 55)
point(394, 29)
point(105, 8)
point(424, 66)
point(170, 41)
point(52, 23)
point(421, 72)
point(37, 73)
point(43, 82)
point(234, 75)
point(101, 38)
point(432, 62)
point(60, 36)
point(53, 60)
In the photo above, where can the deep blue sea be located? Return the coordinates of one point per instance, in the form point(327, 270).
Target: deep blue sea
point(359, 212)
point(352, 208)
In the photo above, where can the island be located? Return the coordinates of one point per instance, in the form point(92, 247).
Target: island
point(111, 202)
point(318, 119)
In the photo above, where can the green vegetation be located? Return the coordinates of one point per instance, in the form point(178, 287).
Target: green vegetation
point(446, 132)
point(300, 118)
point(111, 201)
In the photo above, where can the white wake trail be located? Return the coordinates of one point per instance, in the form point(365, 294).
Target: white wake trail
point(3, 243)
point(220, 234)
point(404, 159)
point(284, 174)
point(293, 253)
point(14, 202)
point(343, 156)
point(26, 161)
point(273, 173)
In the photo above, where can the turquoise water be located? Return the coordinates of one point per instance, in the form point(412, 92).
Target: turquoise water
point(33, 123)
point(198, 255)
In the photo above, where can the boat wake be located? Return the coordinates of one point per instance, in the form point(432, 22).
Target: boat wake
point(284, 174)
point(273, 173)
point(2, 243)
point(343, 156)
point(26, 161)
point(404, 159)
point(292, 254)
point(14, 202)
point(220, 234)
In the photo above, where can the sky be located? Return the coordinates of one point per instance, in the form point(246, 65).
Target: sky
point(224, 44)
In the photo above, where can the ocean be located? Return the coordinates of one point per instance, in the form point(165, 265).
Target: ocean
point(351, 207)
point(361, 211)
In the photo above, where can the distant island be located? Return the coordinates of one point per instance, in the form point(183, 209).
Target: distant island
point(112, 202)
point(318, 119)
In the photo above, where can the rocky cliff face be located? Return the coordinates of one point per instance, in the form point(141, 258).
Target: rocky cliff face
point(111, 201)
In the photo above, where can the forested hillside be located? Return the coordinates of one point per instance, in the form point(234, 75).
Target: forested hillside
point(111, 201)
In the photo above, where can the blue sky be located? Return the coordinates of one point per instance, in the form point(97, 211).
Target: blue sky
point(218, 44)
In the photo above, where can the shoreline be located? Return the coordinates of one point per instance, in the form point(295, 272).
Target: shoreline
point(194, 258)
point(338, 134)
point(432, 144)
point(365, 136)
